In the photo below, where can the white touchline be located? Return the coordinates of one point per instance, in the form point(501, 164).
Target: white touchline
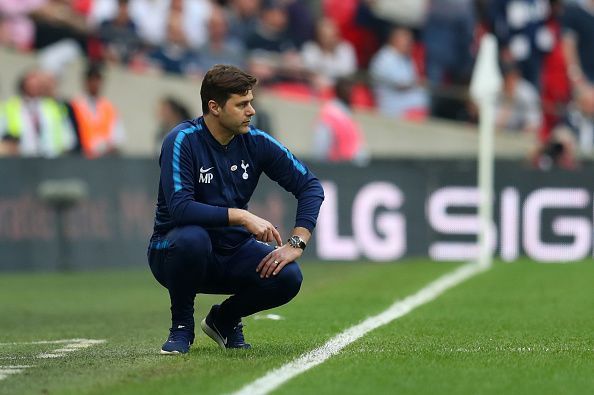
point(70, 346)
point(61, 341)
point(278, 377)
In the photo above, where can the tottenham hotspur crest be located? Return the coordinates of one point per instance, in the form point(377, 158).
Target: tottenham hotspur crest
point(244, 166)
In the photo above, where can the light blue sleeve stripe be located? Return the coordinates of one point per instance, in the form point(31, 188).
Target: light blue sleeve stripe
point(176, 153)
point(298, 165)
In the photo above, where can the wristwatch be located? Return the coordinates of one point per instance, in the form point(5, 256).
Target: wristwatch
point(297, 242)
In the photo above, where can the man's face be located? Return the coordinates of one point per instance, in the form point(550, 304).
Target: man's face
point(94, 85)
point(235, 115)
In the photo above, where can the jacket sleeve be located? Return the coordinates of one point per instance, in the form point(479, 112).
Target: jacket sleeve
point(178, 174)
point(283, 167)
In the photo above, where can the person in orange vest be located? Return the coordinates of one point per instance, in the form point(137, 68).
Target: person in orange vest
point(100, 130)
point(338, 137)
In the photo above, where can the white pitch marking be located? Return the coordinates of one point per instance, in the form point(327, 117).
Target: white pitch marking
point(61, 341)
point(278, 377)
point(70, 346)
point(50, 355)
point(73, 345)
point(273, 317)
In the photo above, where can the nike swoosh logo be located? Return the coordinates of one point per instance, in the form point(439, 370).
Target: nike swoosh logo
point(219, 333)
point(205, 170)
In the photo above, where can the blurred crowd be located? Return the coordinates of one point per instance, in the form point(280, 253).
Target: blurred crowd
point(408, 59)
point(36, 122)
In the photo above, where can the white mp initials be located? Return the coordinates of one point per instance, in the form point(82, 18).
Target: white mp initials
point(205, 178)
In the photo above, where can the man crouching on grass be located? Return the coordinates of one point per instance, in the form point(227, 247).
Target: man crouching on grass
point(204, 239)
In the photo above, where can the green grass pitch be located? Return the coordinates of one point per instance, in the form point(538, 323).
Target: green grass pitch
point(521, 328)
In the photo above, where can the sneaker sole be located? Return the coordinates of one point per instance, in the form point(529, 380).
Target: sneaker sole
point(212, 334)
point(163, 352)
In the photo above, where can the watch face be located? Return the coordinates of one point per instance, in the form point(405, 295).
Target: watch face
point(295, 241)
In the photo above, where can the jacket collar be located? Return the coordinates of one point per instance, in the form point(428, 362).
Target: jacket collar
point(211, 140)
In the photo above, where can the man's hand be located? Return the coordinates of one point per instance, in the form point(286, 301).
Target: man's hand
point(259, 227)
point(274, 262)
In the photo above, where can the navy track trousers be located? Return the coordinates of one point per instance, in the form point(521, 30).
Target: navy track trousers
point(185, 263)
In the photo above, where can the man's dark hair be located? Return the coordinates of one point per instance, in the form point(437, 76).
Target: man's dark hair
point(222, 81)
point(94, 70)
point(21, 82)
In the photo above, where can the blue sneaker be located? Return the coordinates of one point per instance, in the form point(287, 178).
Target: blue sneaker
point(179, 341)
point(227, 335)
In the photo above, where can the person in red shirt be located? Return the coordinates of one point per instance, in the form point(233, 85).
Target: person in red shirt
point(338, 137)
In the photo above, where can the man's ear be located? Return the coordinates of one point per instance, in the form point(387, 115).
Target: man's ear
point(213, 107)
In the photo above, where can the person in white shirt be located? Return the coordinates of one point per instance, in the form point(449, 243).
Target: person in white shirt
point(518, 105)
point(329, 56)
point(151, 17)
point(397, 86)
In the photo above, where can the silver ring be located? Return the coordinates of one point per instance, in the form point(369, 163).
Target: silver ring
point(276, 262)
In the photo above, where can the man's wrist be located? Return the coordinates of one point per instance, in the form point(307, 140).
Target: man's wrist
point(237, 216)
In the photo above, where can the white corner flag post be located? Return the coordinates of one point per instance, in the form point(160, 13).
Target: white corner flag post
point(484, 87)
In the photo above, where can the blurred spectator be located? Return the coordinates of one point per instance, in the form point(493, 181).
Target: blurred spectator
point(409, 13)
point(301, 21)
point(33, 124)
point(338, 137)
point(523, 39)
point(151, 18)
point(193, 18)
point(16, 27)
point(171, 112)
point(372, 15)
point(49, 88)
point(220, 48)
point(518, 105)
point(449, 42)
point(578, 41)
point(174, 56)
point(56, 20)
point(98, 125)
point(329, 56)
point(361, 36)
point(447, 36)
point(396, 84)
point(579, 119)
point(272, 54)
point(242, 18)
point(119, 37)
point(556, 90)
